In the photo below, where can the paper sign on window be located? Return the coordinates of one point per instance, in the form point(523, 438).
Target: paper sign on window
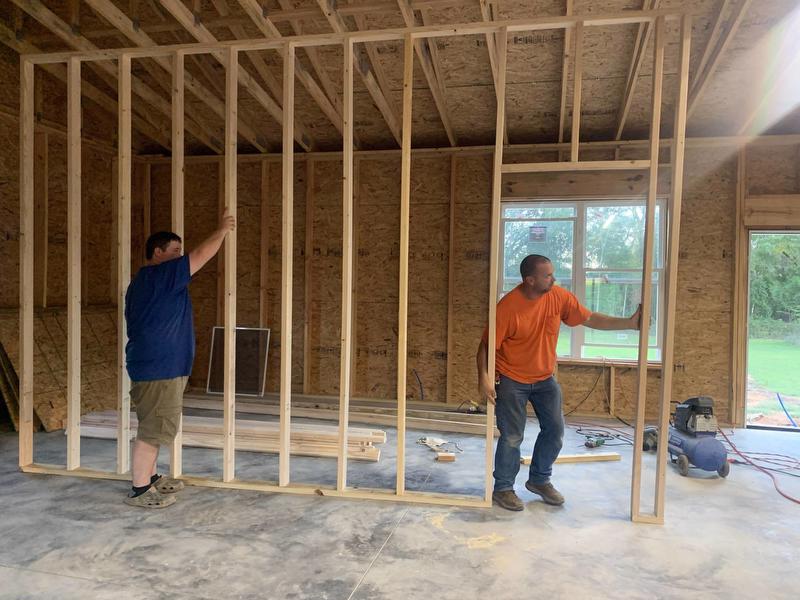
point(538, 234)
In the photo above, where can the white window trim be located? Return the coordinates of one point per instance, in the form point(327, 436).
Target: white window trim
point(579, 269)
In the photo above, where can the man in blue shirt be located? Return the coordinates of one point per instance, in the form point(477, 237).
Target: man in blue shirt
point(160, 352)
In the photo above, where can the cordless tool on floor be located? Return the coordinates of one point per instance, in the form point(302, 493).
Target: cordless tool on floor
point(693, 438)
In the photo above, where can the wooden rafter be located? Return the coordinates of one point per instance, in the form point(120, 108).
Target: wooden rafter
point(313, 57)
point(577, 88)
point(715, 56)
point(488, 10)
point(89, 91)
point(260, 65)
point(128, 28)
point(613, 19)
point(287, 14)
point(424, 50)
point(369, 71)
point(269, 30)
point(564, 72)
point(710, 44)
point(486, 15)
point(74, 7)
point(51, 21)
point(199, 31)
point(639, 47)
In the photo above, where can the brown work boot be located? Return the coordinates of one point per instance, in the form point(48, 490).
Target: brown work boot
point(507, 499)
point(549, 494)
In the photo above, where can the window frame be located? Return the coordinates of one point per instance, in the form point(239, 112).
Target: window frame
point(579, 268)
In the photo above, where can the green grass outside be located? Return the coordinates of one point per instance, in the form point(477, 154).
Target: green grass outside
point(772, 365)
point(775, 365)
point(630, 353)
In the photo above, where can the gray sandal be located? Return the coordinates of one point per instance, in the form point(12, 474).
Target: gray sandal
point(150, 499)
point(168, 485)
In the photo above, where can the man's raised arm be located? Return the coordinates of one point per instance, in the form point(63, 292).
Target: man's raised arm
point(211, 245)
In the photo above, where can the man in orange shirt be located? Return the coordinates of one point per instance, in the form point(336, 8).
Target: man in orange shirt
point(528, 321)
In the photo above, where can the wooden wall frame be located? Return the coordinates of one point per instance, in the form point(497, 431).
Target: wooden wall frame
point(124, 167)
point(229, 50)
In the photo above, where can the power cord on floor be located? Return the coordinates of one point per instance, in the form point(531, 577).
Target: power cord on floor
point(760, 468)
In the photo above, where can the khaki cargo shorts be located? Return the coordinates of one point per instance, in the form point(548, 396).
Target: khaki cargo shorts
point(159, 404)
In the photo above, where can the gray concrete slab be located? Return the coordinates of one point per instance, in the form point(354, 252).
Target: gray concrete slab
point(64, 537)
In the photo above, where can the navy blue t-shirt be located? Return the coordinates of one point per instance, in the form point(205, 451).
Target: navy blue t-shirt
point(158, 313)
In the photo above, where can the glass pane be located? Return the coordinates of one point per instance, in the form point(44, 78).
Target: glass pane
point(615, 237)
point(550, 238)
point(618, 294)
point(538, 212)
point(773, 331)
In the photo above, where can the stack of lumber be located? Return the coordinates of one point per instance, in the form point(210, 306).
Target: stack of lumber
point(254, 436)
point(426, 416)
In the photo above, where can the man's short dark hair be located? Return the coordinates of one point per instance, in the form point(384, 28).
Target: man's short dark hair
point(529, 263)
point(160, 239)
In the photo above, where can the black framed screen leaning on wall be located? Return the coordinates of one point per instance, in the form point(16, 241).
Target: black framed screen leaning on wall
point(252, 346)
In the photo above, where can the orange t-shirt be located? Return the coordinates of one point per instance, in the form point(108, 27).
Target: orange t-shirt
point(527, 332)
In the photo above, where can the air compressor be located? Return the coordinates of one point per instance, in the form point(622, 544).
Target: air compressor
point(693, 438)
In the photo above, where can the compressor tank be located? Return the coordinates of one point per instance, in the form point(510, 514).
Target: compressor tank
point(703, 451)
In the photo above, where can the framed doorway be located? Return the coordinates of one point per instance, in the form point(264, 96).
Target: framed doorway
point(772, 388)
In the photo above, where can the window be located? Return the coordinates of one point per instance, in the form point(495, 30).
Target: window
point(597, 249)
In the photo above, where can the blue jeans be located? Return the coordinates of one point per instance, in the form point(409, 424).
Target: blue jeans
point(512, 401)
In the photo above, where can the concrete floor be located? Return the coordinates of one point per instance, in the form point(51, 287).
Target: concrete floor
point(64, 537)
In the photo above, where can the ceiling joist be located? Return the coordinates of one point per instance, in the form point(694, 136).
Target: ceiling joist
point(369, 70)
point(127, 28)
point(323, 100)
point(107, 72)
point(488, 13)
point(107, 103)
point(714, 57)
point(639, 47)
point(424, 51)
point(197, 30)
point(566, 54)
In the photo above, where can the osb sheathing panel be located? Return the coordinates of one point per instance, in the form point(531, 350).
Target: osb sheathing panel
point(753, 55)
point(96, 225)
point(98, 361)
point(275, 245)
point(471, 272)
point(773, 170)
point(704, 286)
point(622, 183)
point(9, 212)
point(95, 221)
point(584, 389)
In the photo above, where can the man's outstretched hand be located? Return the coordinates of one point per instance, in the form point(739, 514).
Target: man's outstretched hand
point(636, 319)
